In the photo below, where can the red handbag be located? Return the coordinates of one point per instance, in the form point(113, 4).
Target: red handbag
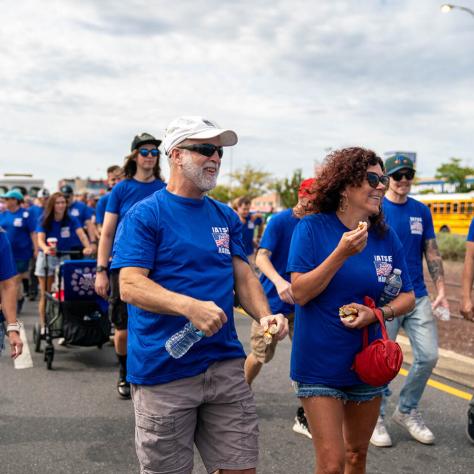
point(378, 362)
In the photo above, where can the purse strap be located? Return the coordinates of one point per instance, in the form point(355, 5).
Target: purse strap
point(368, 301)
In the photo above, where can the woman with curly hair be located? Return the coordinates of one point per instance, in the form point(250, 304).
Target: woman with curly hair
point(341, 252)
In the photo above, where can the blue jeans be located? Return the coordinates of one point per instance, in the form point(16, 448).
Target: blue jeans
point(420, 327)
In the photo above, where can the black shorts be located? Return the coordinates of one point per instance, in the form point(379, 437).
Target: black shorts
point(117, 308)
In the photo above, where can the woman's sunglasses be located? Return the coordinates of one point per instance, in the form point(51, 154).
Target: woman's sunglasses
point(145, 152)
point(398, 175)
point(374, 179)
point(205, 149)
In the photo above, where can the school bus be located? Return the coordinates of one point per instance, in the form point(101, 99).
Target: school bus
point(450, 212)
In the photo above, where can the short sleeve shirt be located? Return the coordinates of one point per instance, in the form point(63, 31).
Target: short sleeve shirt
point(64, 231)
point(19, 225)
point(188, 246)
point(277, 239)
point(248, 230)
point(413, 224)
point(100, 209)
point(470, 235)
point(7, 262)
point(323, 349)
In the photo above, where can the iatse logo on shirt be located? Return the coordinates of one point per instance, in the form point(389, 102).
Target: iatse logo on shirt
point(416, 225)
point(383, 266)
point(222, 239)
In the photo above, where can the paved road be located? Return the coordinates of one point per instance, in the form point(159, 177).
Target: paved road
point(70, 420)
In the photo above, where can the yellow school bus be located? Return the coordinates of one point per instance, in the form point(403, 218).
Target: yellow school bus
point(450, 212)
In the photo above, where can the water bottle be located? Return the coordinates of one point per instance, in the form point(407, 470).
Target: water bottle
point(180, 343)
point(393, 284)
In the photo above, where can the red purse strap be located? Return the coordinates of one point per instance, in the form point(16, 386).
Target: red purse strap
point(368, 301)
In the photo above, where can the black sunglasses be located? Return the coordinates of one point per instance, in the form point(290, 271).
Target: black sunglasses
point(374, 179)
point(205, 149)
point(398, 175)
point(145, 152)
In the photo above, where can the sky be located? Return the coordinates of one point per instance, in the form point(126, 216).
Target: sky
point(294, 79)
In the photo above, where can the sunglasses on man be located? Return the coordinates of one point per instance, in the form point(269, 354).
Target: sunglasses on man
point(145, 152)
point(398, 175)
point(205, 149)
point(374, 179)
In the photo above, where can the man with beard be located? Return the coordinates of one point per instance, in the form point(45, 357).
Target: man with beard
point(181, 255)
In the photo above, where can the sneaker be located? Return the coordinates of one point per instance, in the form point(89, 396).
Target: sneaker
point(123, 389)
point(470, 425)
point(415, 425)
point(380, 436)
point(301, 424)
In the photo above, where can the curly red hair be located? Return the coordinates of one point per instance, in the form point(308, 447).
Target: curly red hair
point(343, 168)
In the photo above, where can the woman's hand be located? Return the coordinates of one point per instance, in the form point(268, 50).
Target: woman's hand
point(353, 242)
point(365, 316)
point(102, 284)
point(50, 251)
point(16, 344)
point(88, 250)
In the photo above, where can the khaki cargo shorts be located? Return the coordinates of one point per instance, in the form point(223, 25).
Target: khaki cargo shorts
point(214, 410)
point(264, 353)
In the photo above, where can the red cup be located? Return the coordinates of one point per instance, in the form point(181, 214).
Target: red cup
point(52, 243)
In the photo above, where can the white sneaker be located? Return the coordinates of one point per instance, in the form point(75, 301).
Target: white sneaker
point(301, 424)
point(380, 436)
point(415, 425)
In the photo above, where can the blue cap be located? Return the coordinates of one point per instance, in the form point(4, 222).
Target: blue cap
point(13, 194)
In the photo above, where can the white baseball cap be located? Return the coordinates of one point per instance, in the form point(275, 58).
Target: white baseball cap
point(195, 127)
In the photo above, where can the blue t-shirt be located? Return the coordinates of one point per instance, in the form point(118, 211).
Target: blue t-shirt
point(323, 349)
point(7, 262)
point(82, 213)
point(413, 224)
point(248, 230)
point(128, 192)
point(470, 234)
point(188, 245)
point(100, 208)
point(277, 239)
point(63, 231)
point(18, 226)
point(36, 211)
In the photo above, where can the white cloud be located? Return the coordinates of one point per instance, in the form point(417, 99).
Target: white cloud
point(79, 79)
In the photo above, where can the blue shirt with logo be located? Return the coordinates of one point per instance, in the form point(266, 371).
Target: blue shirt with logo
point(7, 262)
point(413, 224)
point(277, 239)
point(248, 230)
point(64, 231)
point(323, 349)
point(128, 192)
point(470, 235)
point(100, 208)
point(18, 226)
point(82, 213)
point(188, 245)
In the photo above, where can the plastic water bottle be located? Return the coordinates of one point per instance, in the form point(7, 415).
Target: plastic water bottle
point(180, 343)
point(392, 287)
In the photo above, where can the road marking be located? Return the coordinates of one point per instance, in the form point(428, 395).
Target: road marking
point(443, 387)
point(24, 360)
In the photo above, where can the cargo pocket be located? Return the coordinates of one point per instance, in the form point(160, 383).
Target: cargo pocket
point(250, 426)
point(155, 442)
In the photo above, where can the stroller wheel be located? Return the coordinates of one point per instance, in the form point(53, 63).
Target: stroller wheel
point(49, 356)
point(37, 337)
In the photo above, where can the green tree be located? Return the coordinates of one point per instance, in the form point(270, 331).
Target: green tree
point(251, 182)
point(221, 193)
point(287, 188)
point(455, 174)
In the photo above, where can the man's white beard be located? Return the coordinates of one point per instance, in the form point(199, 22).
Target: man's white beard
point(196, 173)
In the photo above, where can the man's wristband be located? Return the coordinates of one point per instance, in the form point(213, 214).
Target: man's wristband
point(14, 327)
point(392, 313)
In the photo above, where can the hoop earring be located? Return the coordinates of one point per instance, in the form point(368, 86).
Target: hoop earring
point(343, 204)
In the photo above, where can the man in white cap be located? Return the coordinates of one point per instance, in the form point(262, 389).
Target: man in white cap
point(181, 255)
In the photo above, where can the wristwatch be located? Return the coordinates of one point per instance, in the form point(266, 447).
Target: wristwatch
point(100, 268)
point(14, 327)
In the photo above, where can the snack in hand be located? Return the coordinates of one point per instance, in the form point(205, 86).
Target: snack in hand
point(362, 225)
point(270, 332)
point(348, 312)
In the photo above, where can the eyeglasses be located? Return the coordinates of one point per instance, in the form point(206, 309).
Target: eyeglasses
point(374, 179)
point(205, 149)
point(145, 152)
point(398, 175)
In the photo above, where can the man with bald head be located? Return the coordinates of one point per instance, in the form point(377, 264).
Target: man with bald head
point(181, 256)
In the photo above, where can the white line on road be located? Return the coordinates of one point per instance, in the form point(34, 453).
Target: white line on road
point(24, 360)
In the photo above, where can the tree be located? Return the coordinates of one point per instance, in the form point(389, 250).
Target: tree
point(221, 193)
point(251, 182)
point(456, 174)
point(287, 188)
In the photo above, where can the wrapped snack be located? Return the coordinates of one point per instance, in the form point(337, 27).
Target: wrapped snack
point(362, 225)
point(348, 312)
point(270, 332)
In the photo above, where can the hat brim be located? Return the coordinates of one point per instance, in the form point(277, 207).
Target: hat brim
point(227, 137)
point(157, 143)
point(400, 167)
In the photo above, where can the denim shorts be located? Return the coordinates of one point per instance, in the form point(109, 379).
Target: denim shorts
point(353, 393)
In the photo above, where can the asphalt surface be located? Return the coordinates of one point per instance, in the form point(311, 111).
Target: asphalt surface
point(70, 420)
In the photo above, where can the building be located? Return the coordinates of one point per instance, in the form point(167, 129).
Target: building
point(269, 202)
point(87, 185)
point(24, 182)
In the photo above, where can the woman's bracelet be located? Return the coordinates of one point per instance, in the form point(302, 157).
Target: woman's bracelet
point(392, 311)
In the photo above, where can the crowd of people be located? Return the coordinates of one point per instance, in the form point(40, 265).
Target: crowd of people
point(167, 254)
